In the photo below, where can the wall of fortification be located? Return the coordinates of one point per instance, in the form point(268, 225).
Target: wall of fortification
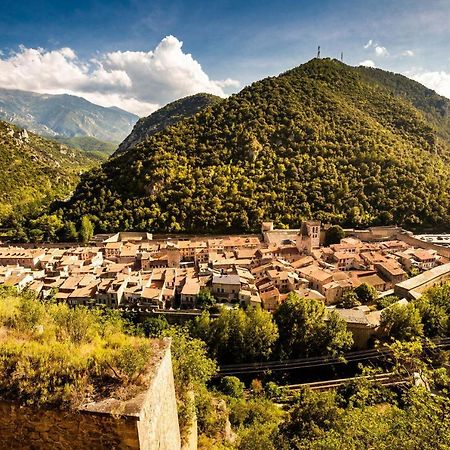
point(413, 241)
point(154, 424)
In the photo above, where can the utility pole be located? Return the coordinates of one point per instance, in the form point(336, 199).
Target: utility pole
point(318, 52)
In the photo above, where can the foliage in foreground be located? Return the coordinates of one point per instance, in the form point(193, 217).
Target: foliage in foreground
point(51, 354)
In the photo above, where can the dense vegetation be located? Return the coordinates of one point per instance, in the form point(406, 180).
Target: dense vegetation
point(324, 140)
point(51, 354)
point(298, 329)
point(435, 107)
point(35, 171)
point(90, 145)
point(167, 115)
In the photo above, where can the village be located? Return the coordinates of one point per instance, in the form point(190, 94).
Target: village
point(134, 270)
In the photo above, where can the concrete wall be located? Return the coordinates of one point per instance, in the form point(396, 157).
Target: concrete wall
point(413, 241)
point(147, 422)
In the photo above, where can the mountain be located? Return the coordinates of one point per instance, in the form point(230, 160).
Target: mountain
point(168, 115)
point(35, 171)
point(64, 115)
point(323, 140)
point(90, 145)
point(434, 107)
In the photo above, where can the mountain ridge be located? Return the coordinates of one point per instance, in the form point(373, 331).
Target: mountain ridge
point(168, 115)
point(316, 141)
point(64, 115)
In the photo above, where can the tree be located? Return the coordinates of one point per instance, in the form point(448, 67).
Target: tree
point(154, 326)
point(304, 331)
point(70, 233)
point(434, 308)
point(349, 300)
point(204, 299)
point(238, 335)
point(312, 414)
point(366, 293)
point(333, 235)
point(402, 322)
point(86, 230)
point(232, 386)
point(49, 225)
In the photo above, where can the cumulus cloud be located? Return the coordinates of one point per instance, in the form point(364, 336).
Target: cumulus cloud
point(381, 51)
point(377, 48)
point(438, 81)
point(135, 81)
point(367, 63)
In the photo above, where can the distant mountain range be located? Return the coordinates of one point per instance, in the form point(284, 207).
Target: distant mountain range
point(168, 115)
point(64, 116)
point(342, 144)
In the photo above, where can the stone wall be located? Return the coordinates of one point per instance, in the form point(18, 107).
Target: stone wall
point(147, 422)
point(415, 242)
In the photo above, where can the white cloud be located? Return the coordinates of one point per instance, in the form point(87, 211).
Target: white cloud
point(409, 53)
point(136, 81)
point(367, 63)
point(438, 81)
point(381, 51)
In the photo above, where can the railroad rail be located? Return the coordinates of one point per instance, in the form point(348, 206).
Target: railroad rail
point(304, 363)
point(386, 379)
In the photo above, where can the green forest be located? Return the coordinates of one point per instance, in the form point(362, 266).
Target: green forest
point(351, 146)
point(35, 172)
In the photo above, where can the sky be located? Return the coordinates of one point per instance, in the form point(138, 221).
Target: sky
point(141, 54)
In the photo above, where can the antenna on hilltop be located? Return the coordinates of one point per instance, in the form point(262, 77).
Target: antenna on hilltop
point(318, 52)
point(342, 56)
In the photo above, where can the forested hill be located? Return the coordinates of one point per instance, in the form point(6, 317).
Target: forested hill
point(435, 107)
point(35, 171)
point(324, 140)
point(168, 115)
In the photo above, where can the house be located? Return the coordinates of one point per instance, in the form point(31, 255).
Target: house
point(392, 271)
point(189, 292)
point(415, 286)
point(344, 260)
point(16, 256)
point(112, 250)
point(19, 280)
point(361, 322)
point(226, 287)
point(270, 299)
point(316, 276)
point(249, 297)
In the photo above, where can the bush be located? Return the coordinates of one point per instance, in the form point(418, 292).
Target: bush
point(232, 386)
point(56, 355)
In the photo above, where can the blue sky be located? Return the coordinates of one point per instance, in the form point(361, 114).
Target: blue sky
point(235, 42)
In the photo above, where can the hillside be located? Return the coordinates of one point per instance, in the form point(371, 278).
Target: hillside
point(35, 171)
point(321, 140)
point(64, 115)
point(90, 145)
point(435, 107)
point(168, 115)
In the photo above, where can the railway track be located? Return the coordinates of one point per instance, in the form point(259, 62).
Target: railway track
point(386, 379)
point(304, 363)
